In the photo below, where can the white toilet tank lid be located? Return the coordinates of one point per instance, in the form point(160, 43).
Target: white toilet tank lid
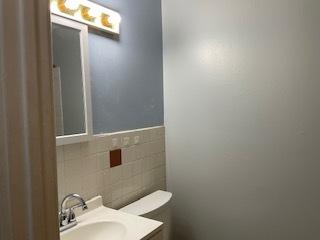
point(148, 203)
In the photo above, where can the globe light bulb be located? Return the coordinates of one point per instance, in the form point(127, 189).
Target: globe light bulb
point(114, 19)
point(72, 4)
point(94, 13)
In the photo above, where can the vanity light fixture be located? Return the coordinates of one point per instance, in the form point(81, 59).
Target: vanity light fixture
point(89, 13)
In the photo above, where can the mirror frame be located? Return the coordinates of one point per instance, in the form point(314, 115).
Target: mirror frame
point(82, 137)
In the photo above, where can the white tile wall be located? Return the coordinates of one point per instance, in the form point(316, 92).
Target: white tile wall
point(85, 168)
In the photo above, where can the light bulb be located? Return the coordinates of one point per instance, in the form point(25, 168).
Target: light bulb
point(54, 6)
point(72, 4)
point(94, 13)
point(114, 19)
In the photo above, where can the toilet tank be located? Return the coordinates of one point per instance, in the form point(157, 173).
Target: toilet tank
point(154, 206)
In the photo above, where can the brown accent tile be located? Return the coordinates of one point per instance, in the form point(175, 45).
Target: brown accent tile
point(115, 158)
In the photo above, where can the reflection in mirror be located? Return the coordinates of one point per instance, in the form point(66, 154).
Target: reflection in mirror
point(68, 81)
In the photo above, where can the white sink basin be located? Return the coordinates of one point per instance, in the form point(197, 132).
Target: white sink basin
point(96, 231)
point(102, 223)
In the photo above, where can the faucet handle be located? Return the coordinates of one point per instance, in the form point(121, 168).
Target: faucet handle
point(66, 218)
point(72, 215)
point(63, 218)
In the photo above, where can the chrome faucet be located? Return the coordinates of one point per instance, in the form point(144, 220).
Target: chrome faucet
point(67, 218)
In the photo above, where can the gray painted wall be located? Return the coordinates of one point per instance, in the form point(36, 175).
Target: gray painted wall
point(127, 74)
point(242, 115)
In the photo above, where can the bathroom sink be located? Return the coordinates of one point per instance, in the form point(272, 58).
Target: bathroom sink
point(101, 223)
point(96, 231)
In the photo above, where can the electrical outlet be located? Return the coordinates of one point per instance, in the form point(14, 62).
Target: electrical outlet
point(115, 142)
point(136, 140)
point(126, 141)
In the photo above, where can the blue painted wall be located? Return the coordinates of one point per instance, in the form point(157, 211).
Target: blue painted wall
point(127, 73)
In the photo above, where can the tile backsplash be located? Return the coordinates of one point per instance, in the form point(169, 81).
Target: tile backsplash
point(84, 168)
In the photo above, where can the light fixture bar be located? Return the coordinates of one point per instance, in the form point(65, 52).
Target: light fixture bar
point(92, 14)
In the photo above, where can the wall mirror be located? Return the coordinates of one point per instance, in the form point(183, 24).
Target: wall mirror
point(71, 81)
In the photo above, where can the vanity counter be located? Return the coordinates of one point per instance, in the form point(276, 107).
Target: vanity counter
point(99, 221)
